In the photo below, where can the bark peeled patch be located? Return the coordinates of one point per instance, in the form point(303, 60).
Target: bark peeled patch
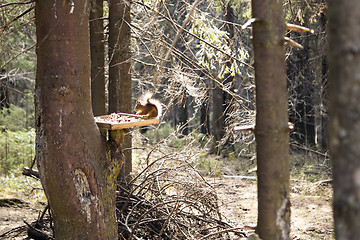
point(282, 218)
point(83, 192)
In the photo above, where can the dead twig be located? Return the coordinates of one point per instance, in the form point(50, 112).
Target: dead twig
point(30, 172)
point(36, 233)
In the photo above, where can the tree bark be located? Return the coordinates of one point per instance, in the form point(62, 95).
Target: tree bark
point(4, 94)
point(221, 99)
point(120, 91)
point(97, 51)
point(78, 178)
point(344, 114)
point(271, 131)
point(218, 118)
point(323, 141)
point(182, 115)
point(204, 118)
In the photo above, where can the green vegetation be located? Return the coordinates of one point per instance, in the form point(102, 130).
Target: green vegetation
point(17, 139)
point(16, 150)
point(22, 188)
point(309, 167)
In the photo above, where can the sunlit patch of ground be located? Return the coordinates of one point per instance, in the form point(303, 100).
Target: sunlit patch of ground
point(21, 199)
point(311, 212)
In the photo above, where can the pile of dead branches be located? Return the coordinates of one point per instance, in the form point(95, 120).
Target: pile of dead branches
point(169, 199)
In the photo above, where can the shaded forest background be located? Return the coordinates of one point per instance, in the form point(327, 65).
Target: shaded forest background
point(205, 80)
point(196, 57)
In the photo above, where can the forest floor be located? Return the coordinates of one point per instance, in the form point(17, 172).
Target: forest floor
point(311, 213)
point(21, 200)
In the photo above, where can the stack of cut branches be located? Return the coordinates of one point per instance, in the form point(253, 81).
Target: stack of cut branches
point(169, 199)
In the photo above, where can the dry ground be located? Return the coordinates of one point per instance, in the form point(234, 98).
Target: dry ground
point(21, 199)
point(311, 212)
point(311, 215)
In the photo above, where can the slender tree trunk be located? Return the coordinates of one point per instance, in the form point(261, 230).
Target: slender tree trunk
point(120, 91)
point(324, 143)
point(221, 99)
point(302, 85)
point(182, 115)
point(218, 118)
point(4, 94)
point(229, 79)
point(204, 118)
point(344, 115)
point(97, 51)
point(78, 178)
point(307, 91)
point(324, 93)
point(272, 132)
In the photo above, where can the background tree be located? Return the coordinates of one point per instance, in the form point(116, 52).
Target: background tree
point(120, 84)
point(17, 56)
point(307, 76)
point(97, 52)
point(222, 100)
point(188, 57)
point(272, 132)
point(344, 110)
point(78, 178)
point(4, 91)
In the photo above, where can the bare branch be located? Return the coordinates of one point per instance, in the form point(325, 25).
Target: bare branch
point(16, 3)
point(17, 17)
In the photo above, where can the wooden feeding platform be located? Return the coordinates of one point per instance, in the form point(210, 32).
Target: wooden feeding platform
point(117, 121)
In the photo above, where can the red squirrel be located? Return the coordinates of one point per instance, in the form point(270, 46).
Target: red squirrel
point(147, 106)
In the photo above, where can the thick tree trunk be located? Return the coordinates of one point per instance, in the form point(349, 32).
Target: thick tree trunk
point(272, 132)
point(78, 178)
point(120, 91)
point(344, 114)
point(97, 51)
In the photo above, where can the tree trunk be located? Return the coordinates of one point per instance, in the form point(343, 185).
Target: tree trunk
point(218, 119)
point(221, 99)
point(302, 87)
point(4, 95)
point(344, 112)
point(182, 115)
point(272, 132)
point(78, 178)
point(229, 79)
point(204, 118)
point(120, 92)
point(323, 142)
point(97, 51)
